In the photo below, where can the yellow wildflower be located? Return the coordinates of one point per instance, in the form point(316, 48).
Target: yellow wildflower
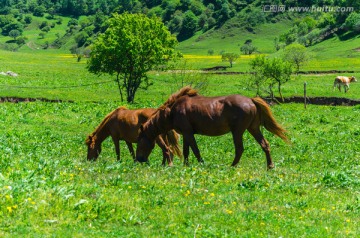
point(229, 211)
point(9, 209)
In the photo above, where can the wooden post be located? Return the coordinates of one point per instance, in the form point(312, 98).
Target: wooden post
point(305, 95)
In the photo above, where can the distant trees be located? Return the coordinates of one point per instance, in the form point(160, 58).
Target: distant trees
point(132, 45)
point(189, 25)
point(248, 48)
point(352, 22)
point(14, 34)
point(230, 57)
point(13, 25)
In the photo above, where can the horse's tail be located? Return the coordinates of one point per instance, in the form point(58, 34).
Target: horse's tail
point(267, 119)
point(172, 138)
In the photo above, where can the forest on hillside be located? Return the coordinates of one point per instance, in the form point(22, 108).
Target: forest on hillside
point(182, 17)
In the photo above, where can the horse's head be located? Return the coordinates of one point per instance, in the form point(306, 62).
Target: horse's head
point(353, 79)
point(144, 146)
point(94, 148)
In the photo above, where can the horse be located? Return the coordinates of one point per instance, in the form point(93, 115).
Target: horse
point(124, 124)
point(344, 81)
point(189, 113)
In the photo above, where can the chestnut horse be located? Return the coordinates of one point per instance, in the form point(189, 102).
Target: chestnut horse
point(189, 113)
point(124, 124)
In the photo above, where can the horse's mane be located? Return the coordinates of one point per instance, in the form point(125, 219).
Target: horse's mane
point(185, 91)
point(102, 124)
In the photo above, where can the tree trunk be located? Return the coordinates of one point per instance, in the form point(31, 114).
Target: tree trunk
point(271, 92)
point(119, 86)
point(279, 89)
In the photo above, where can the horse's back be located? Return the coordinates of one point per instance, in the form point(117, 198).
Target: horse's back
point(126, 122)
point(213, 115)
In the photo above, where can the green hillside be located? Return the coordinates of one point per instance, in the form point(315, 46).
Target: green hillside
point(201, 27)
point(230, 37)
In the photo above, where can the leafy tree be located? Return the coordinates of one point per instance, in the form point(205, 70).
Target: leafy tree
point(28, 19)
point(353, 21)
point(248, 48)
point(313, 36)
point(230, 57)
point(290, 36)
point(12, 26)
point(14, 34)
point(42, 35)
point(132, 45)
point(21, 40)
point(175, 23)
point(272, 72)
point(296, 54)
point(189, 25)
point(39, 11)
point(81, 38)
point(277, 44)
point(45, 29)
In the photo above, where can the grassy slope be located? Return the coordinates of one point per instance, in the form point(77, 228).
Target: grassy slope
point(336, 53)
point(230, 38)
point(32, 31)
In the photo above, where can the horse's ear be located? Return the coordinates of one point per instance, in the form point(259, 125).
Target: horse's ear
point(167, 112)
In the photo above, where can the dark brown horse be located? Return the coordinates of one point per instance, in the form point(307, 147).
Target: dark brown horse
point(124, 124)
point(189, 113)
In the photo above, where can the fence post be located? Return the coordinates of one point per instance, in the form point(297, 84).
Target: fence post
point(305, 94)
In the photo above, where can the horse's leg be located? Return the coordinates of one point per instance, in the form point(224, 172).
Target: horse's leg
point(117, 147)
point(186, 151)
point(165, 150)
point(239, 146)
point(131, 149)
point(256, 133)
point(190, 140)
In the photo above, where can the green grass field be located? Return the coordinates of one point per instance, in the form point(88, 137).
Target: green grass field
point(47, 188)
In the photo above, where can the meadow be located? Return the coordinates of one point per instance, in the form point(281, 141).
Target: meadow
point(47, 188)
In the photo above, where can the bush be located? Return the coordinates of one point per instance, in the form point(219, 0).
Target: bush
point(353, 21)
point(14, 34)
point(28, 19)
point(39, 11)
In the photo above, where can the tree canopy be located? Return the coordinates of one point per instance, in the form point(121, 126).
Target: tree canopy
point(269, 72)
point(132, 45)
point(296, 54)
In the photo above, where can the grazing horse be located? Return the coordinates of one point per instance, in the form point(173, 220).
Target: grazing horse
point(190, 113)
point(343, 81)
point(124, 124)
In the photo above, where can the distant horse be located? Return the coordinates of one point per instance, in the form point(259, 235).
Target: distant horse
point(189, 113)
point(343, 81)
point(124, 124)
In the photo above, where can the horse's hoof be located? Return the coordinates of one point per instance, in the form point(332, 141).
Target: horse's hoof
point(270, 166)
